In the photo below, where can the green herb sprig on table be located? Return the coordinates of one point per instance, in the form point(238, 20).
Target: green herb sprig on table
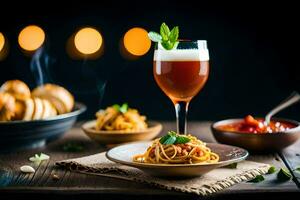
point(168, 39)
point(271, 170)
point(38, 158)
point(121, 108)
point(231, 166)
point(297, 169)
point(284, 175)
point(72, 147)
point(257, 179)
point(173, 138)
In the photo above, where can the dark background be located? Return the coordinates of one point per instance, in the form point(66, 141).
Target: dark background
point(253, 47)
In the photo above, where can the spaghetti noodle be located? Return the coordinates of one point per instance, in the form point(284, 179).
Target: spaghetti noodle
point(116, 118)
point(194, 151)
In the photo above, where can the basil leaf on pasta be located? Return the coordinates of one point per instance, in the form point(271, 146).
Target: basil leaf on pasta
point(170, 140)
point(123, 109)
point(116, 107)
point(164, 138)
point(182, 140)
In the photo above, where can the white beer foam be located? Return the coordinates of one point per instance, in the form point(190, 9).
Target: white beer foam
point(181, 55)
point(199, 54)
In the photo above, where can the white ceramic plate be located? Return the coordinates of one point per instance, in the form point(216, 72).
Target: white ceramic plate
point(123, 154)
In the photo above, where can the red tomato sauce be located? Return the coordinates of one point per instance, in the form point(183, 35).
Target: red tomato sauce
point(256, 126)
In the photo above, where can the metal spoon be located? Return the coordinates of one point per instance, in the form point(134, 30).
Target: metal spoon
point(293, 98)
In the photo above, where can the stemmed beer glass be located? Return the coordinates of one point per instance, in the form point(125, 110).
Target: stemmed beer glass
point(181, 73)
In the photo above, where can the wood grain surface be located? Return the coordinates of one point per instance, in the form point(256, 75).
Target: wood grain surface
point(55, 181)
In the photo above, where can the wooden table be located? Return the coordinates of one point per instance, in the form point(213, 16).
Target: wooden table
point(14, 184)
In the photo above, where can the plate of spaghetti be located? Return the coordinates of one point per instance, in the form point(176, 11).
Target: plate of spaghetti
point(120, 124)
point(175, 155)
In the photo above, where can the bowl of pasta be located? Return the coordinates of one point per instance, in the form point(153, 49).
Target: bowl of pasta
point(175, 155)
point(120, 124)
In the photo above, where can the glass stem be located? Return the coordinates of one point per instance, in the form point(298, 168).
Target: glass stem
point(181, 109)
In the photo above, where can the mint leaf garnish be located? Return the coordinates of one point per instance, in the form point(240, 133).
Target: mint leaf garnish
point(174, 34)
point(168, 39)
point(257, 179)
point(284, 175)
point(164, 32)
point(168, 45)
point(271, 170)
point(155, 37)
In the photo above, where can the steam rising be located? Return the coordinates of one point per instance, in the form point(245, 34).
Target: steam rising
point(92, 72)
point(101, 85)
point(39, 66)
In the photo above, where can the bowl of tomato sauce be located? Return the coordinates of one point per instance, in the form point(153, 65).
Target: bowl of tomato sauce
point(257, 135)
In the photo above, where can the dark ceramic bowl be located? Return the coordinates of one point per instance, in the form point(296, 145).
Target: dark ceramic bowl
point(18, 135)
point(257, 142)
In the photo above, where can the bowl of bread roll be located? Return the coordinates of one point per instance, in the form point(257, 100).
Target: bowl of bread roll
point(30, 118)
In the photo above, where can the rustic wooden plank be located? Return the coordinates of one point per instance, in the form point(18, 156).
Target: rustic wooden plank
point(6, 175)
point(40, 173)
point(271, 182)
point(133, 191)
point(50, 181)
point(70, 182)
point(291, 156)
point(87, 190)
point(55, 150)
point(99, 182)
point(33, 175)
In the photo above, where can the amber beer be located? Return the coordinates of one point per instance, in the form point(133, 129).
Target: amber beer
point(181, 73)
point(181, 80)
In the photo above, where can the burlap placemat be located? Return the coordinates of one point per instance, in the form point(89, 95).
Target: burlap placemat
point(209, 183)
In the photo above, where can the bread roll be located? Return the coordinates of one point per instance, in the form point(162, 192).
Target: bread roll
point(38, 108)
point(18, 103)
point(7, 106)
point(49, 110)
point(53, 111)
point(61, 98)
point(29, 109)
point(19, 110)
point(16, 88)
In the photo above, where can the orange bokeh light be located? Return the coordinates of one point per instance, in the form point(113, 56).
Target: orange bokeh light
point(2, 41)
point(136, 41)
point(88, 41)
point(31, 38)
